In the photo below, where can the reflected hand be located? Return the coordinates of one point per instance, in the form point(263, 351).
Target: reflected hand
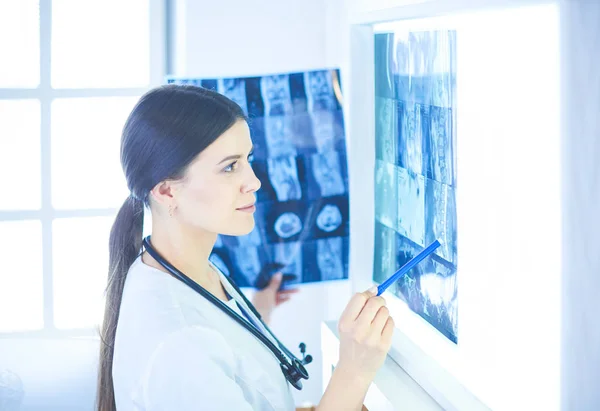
point(270, 297)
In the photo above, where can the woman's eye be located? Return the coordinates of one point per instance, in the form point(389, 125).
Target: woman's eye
point(251, 156)
point(231, 167)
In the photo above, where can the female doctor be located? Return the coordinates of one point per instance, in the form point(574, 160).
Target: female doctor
point(166, 346)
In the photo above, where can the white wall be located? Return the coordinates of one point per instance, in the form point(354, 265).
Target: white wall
point(236, 37)
point(38, 374)
point(245, 38)
point(581, 197)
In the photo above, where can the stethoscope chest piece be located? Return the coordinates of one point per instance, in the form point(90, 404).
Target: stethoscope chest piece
point(295, 373)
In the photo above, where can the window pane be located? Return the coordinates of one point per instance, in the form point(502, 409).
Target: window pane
point(80, 257)
point(19, 43)
point(21, 284)
point(86, 138)
point(20, 154)
point(100, 43)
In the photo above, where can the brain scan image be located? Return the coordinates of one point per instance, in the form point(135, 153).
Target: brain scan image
point(330, 218)
point(288, 225)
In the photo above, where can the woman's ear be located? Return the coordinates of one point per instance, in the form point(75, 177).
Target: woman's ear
point(162, 193)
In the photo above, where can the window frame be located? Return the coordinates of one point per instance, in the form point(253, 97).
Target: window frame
point(45, 94)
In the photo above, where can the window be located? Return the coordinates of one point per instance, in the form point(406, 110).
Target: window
point(71, 73)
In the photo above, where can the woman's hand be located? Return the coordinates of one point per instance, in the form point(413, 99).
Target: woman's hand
point(366, 330)
point(270, 297)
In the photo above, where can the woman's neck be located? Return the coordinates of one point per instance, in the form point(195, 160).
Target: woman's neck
point(188, 251)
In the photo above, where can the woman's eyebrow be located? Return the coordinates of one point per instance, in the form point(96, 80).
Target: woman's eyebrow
point(234, 156)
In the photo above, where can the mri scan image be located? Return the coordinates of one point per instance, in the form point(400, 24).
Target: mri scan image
point(330, 259)
point(283, 175)
point(440, 212)
point(276, 95)
point(327, 171)
point(386, 193)
point(288, 225)
point(235, 89)
point(279, 137)
point(386, 126)
point(410, 144)
point(319, 92)
point(440, 167)
point(324, 130)
point(249, 240)
point(411, 205)
point(290, 255)
point(415, 170)
point(247, 262)
point(330, 218)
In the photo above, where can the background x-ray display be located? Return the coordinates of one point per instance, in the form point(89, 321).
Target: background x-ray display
point(297, 128)
point(415, 170)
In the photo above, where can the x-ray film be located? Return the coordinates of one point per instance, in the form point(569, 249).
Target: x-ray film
point(415, 170)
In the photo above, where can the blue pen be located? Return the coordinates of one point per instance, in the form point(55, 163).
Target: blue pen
point(408, 266)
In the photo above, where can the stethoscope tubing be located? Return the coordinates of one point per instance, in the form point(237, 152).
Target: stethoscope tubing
point(286, 365)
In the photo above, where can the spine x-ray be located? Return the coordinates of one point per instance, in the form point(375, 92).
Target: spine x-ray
point(415, 170)
point(297, 128)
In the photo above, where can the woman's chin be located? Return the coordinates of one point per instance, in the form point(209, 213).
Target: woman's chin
point(241, 228)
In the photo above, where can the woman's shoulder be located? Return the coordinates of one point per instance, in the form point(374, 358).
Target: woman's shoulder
point(155, 304)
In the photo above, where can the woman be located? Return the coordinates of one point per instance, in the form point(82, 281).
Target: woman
point(184, 152)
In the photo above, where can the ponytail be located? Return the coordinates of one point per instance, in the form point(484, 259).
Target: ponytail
point(125, 246)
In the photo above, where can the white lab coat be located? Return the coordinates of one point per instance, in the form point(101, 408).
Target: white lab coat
point(174, 350)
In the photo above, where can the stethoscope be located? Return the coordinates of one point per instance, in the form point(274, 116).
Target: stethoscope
point(293, 368)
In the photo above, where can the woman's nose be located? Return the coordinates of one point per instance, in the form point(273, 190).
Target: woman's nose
point(252, 184)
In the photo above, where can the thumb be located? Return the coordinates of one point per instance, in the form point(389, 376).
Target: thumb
point(275, 281)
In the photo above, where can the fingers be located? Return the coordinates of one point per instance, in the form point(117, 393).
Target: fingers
point(369, 311)
point(282, 299)
point(275, 281)
point(380, 321)
point(388, 332)
point(288, 292)
point(285, 295)
point(356, 305)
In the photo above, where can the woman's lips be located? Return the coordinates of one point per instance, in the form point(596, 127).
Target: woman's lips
point(247, 209)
